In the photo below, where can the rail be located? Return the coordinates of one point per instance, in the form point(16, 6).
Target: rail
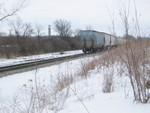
point(5, 69)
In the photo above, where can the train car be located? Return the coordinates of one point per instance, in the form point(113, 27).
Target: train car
point(93, 40)
point(121, 41)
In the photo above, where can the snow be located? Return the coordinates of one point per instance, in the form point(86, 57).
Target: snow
point(25, 59)
point(105, 103)
point(88, 90)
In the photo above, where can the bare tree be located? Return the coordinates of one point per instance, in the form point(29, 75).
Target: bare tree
point(112, 30)
point(38, 30)
point(21, 29)
point(38, 34)
point(23, 32)
point(63, 28)
point(27, 30)
point(135, 54)
point(77, 32)
point(5, 12)
point(124, 12)
point(17, 27)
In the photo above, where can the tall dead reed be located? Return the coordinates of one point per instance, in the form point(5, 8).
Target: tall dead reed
point(134, 55)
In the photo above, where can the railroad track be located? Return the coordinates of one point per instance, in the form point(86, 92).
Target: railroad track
point(16, 68)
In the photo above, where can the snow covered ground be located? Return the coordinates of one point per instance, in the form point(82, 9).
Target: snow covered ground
point(85, 95)
point(18, 60)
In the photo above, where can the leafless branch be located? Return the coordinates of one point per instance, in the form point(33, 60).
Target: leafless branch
point(17, 8)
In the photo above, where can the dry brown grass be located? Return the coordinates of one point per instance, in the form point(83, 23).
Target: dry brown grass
point(86, 67)
point(135, 57)
point(63, 82)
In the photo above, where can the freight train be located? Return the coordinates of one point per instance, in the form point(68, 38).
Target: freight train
point(93, 41)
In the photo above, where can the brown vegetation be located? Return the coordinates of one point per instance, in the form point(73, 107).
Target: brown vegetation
point(13, 46)
point(134, 57)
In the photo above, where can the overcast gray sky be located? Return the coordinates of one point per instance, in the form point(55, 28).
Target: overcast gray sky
point(82, 13)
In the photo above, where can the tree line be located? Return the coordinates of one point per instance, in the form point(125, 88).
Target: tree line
point(24, 39)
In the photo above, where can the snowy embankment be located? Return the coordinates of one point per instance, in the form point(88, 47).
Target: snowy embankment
point(19, 60)
point(80, 96)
